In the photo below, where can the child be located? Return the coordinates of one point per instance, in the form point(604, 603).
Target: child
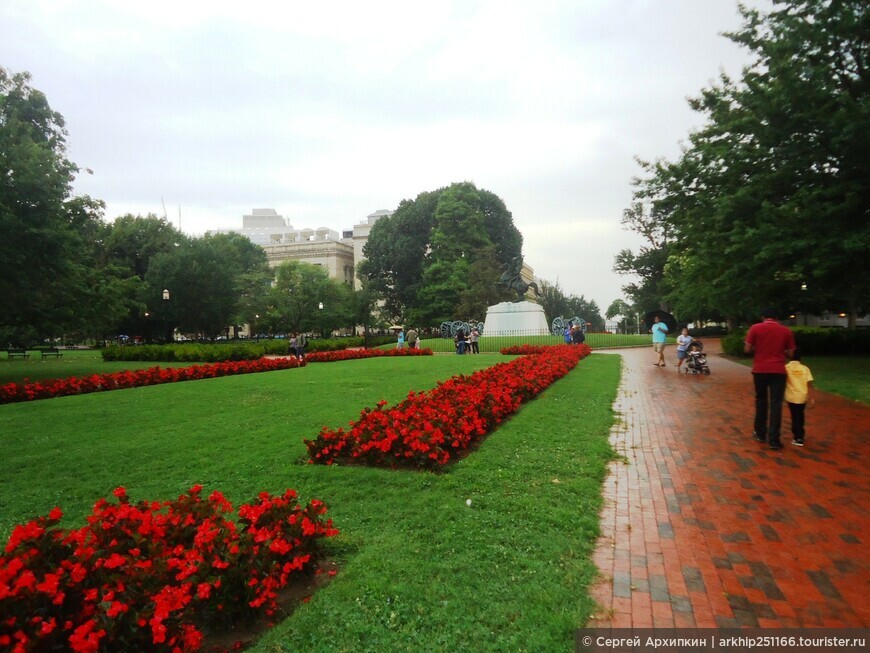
point(798, 392)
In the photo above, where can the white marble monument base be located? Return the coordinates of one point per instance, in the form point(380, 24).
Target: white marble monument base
point(515, 318)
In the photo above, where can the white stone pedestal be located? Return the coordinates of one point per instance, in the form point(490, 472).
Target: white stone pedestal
point(516, 319)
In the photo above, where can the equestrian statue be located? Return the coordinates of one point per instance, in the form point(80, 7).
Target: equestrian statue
point(513, 280)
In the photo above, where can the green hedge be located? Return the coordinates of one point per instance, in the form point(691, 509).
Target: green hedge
point(818, 341)
point(213, 353)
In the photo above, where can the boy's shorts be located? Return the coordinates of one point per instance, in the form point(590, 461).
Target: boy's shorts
point(659, 346)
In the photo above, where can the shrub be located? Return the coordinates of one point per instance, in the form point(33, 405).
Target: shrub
point(812, 341)
point(732, 344)
point(153, 575)
point(194, 352)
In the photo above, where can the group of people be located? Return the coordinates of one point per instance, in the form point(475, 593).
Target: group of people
point(297, 344)
point(467, 342)
point(774, 379)
point(574, 335)
point(771, 344)
point(409, 339)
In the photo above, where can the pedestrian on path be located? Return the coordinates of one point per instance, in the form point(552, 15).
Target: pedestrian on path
point(770, 343)
point(798, 394)
point(683, 342)
point(659, 336)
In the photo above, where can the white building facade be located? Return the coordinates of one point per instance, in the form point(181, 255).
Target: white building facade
point(337, 253)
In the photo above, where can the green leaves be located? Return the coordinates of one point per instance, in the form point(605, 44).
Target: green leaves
point(773, 190)
point(423, 259)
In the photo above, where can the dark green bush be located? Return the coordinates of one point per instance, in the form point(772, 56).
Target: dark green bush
point(708, 332)
point(732, 344)
point(812, 341)
point(193, 352)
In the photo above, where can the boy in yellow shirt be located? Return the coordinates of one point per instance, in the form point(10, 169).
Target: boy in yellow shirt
point(798, 393)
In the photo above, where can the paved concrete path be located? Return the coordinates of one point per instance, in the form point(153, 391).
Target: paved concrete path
point(704, 527)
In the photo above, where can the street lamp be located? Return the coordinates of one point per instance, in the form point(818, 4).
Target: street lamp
point(165, 316)
point(254, 333)
point(320, 308)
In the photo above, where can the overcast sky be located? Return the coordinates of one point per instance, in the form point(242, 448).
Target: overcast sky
point(328, 111)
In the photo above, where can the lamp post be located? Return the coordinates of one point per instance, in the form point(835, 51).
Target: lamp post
point(165, 316)
point(254, 333)
point(320, 308)
point(803, 303)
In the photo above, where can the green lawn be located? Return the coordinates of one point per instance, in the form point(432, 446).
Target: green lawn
point(419, 569)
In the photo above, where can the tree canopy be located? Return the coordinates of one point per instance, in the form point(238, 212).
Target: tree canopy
point(772, 194)
point(423, 259)
point(293, 302)
point(47, 262)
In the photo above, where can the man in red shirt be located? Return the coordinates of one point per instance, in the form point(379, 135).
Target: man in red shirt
point(770, 343)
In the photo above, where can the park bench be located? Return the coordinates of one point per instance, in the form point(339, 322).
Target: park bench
point(12, 353)
point(51, 352)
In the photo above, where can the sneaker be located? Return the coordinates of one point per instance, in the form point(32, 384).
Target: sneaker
point(798, 443)
point(775, 446)
point(758, 438)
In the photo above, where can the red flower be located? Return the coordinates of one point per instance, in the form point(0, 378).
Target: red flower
point(428, 429)
point(148, 560)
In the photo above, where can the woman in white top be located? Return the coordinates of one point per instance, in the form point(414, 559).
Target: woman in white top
point(683, 342)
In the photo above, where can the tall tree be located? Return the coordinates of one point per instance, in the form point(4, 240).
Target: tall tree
point(481, 290)
point(649, 262)
point(557, 304)
point(129, 245)
point(43, 252)
point(293, 302)
point(396, 250)
point(203, 289)
point(774, 191)
point(132, 241)
point(419, 260)
point(252, 274)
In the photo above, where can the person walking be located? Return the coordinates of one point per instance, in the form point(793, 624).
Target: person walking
point(799, 394)
point(400, 343)
point(301, 343)
point(411, 338)
point(475, 337)
point(683, 342)
point(659, 337)
point(770, 344)
point(459, 339)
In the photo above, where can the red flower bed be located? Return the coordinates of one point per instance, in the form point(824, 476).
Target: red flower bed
point(13, 392)
point(526, 350)
point(428, 429)
point(152, 576)
point(355, 354)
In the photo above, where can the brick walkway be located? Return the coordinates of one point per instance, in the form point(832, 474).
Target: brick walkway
point(704, 527)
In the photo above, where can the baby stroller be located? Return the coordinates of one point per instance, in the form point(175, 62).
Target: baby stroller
point(696, 359)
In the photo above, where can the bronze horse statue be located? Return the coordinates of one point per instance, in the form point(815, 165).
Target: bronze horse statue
point(512, 280)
